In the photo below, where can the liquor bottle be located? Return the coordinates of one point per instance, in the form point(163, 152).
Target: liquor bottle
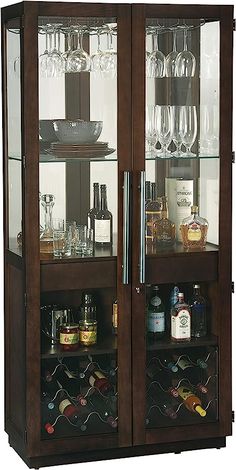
point(88, 308)
point(191, 401)
point(114, 317)
point(46, 236)
point(194, 230)
point(157, 374)
point(147, 192)
point(155, 315)
point(103, 222)
point(152, 212)
point(102, 408)
point(189, 371)
point(198, 313)
point(181, 320)
point(96, 206)
point(174, 296)
point(161, 399)
point(98, 380)
point(164, 229)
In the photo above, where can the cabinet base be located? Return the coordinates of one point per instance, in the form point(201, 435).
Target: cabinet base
point(135, 451)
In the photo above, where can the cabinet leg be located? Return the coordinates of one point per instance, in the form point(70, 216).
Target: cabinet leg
point(178, 452)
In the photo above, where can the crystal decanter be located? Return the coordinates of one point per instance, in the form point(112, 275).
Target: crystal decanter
point(46, 236)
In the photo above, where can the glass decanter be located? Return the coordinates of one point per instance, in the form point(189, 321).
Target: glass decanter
point(46, 236)
point(164, 229)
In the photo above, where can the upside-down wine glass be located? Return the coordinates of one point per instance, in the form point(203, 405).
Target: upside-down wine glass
point(108, 59)
point(55, 59)
point(171, 58)
point(69, 50)
point(79, 60)
point(43, 58)
point(156, 60)
point(185, 61)
point(96, 56)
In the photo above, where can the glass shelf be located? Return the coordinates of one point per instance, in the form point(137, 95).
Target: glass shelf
point(46, 158)
point(151, 156)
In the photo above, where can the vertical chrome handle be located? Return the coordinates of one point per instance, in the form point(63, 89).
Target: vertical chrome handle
point(142, 229)
point(126, 227)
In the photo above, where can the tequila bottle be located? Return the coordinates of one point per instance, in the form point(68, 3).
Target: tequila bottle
point(46, 236)
point(194, 230)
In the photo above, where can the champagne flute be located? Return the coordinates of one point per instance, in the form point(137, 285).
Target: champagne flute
point(164, 129)
point(185, 61)
point(171, 58)
point(176, 116)
point(156, 60)
point(188, 129)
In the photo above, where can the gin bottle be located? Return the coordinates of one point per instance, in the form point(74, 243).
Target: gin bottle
point(181, 320)
point(155, 315)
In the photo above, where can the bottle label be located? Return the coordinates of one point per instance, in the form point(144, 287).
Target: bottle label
point(156, 322)
point(194, 233)
point(69, 338)
point(96, 375)
point(87, 337)
point(68, 373)
point(184, 364)
point(115, 315)
point(151, 217)
point(63, 405)
point(102, 231)
point(184, 393)
point(180, 325)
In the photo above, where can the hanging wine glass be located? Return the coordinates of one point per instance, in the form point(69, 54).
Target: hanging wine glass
point(68, 51)
point(185, 61)
point(96, 57)
point(164, 129)
point(176, 116)
point(55, 59)
point(43, 58)
point(156, 60)
point(79, 60)
point(188, 129)
point(108, 59)
point(171, 58)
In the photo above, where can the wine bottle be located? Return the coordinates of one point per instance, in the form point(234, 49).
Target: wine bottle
point(191, 401)
point(188, 371)
point(71, 384)
point(67, 408)
point(197, 358)
point(100, 405)
point(155, 372)
point(103, 222)
point(168, 362)
point(160, 399)
point(198, 312)
point(88, 308)
point(96, 206)
point(48, 417)
point(155, 315)
point(98, 380)
point(147, 192)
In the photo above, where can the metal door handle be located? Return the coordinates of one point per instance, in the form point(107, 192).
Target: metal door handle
point(142, 253)
point(126, 227)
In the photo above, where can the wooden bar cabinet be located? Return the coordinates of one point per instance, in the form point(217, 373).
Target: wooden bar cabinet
point(157, 79)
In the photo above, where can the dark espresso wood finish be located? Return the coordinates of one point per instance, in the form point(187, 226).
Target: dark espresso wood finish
point(29, 279)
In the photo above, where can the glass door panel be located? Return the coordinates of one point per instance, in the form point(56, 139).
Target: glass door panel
point(79, 205)
point(14, 144)
point(182, 219)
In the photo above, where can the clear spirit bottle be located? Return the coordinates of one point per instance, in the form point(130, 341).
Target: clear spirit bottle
point(181, 320)
point(164, 229)
point(46, 236)
point(194, 230)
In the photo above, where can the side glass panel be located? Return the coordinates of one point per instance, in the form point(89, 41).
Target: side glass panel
point(14, 136)
point(78, 205)
point(182, 219)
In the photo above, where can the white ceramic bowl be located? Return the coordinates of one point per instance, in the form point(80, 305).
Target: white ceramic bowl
point(46, 130)
point(77, 132)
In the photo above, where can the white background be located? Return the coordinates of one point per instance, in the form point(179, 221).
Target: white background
point(194, 459)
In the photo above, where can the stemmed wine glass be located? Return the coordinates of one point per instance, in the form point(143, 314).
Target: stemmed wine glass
point(176, 116)
point(185, 61)
point(156, 60)
point(79, 60)
point(55, 61)
point(164, 129)
point(188, 130)
point(69, 50)
point(43, 58)
point(96, 57)
point(171, 58)
point(108, 59)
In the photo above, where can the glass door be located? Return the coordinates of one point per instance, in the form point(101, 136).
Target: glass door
point(180, 204)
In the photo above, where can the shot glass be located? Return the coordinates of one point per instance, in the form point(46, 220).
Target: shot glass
point(62, 243)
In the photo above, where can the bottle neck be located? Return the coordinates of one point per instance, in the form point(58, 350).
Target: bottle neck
point(154, 192)
point(164, 210)
point(103, 200)
point(96, 197)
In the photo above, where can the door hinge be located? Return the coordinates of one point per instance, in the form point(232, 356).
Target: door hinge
point(234, 24)
point(232, 287)
point(233, 416)
point(233, 157)
point(25, 299)
point(25, 436)
point(23, 161)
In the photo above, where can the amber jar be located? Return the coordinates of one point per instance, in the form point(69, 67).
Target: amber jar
point(87, 332)
point(69, 336)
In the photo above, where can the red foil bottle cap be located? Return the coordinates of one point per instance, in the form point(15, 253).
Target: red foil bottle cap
point(82, 400)
point(49, 428)
point(202, 388)
point(174, 392)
